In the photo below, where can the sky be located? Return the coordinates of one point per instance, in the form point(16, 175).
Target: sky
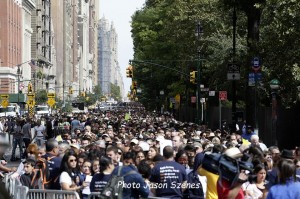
point(119, 12)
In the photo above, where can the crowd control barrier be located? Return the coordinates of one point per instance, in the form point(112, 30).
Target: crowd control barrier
point(21, 192)
point(51, 194)
point(11, 184)
point(94, 195)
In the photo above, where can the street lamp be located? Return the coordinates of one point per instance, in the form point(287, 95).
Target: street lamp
point(198, 33)
point(274, 85)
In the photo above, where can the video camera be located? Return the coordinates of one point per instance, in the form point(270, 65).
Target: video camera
point(226, 167)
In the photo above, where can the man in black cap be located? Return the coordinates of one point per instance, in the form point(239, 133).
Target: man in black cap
point(272, 176)
point(249, 132)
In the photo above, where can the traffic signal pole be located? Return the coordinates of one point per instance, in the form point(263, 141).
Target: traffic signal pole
point(199, 119)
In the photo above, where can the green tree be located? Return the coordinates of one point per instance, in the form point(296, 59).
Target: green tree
point(41, 97)
point(163, 33)
point(115, 91)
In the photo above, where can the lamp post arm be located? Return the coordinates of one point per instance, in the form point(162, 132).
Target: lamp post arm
point(155, 64)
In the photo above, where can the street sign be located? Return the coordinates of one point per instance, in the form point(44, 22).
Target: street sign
point(4, 96)
point(4, 103)
point(233, 72)
point(251, 79)
point(212, 93)
point(233, 68)
point(51, 95)
point(30, 95)
point(233, 76)
point(172, 99)
point(255, 64)
point(31, 103)
point(222, 95)
point(193, 99)
point(51, 101)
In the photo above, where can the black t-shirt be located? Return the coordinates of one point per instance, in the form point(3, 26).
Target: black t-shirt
point(168, 177)
point(99, 181)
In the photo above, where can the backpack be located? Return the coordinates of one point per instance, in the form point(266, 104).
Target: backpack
point(112, 190)
point(195, 192)
point(41, 178)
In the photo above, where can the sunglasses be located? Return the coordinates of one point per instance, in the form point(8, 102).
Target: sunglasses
point(73, 160)
point(31, 152)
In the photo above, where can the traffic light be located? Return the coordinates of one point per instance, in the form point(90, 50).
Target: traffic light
point(29, 88)
point(193, 77)
point(70, 90)
point(129, 71)
point(134, 84)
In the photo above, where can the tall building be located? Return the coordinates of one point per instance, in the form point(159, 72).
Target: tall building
point(41, 42)
point(109, 69)
point(94, 17)
point(57, 11)
point(84, 56)
point(27, 31)
point(10, 44)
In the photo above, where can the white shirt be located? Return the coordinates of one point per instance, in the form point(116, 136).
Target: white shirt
point(65, 178)
point(1, 127)
point(87, 190)
point(39, 130)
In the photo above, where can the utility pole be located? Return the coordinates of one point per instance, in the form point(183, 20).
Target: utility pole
point(198, 34)
point(18, 73)
point(233, 111)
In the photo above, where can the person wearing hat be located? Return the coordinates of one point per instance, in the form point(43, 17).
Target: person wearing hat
point(272, 176)
point(249, 132)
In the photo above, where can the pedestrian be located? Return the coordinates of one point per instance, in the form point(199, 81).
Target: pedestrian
point(288, 187)
point(168, 177)
point(29, 174)
point(99, 180)
point(17, 140)
point(27, 137)
point(39, 133)
point(68, 169)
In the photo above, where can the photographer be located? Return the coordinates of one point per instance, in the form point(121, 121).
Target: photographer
point(210, 173)
point(232, 190)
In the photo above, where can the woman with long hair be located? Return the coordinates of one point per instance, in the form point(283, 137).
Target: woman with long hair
point(288, 187)
point(139, 157)
point(151, 153)
point(99, 180)
point(68, 171)
point(257, 189)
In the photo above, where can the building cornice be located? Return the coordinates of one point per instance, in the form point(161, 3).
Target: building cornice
point(30, 4)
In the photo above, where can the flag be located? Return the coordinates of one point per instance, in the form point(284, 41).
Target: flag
point(127, 116)
point(32, 63)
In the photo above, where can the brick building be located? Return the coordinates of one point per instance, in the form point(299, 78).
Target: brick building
point(10, 44)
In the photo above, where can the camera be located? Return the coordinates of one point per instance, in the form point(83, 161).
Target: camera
point(226, 167)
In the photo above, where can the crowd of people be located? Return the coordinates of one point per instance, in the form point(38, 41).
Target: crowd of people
point(155, 154)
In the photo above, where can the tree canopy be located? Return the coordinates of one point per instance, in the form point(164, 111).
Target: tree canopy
point(163, 32)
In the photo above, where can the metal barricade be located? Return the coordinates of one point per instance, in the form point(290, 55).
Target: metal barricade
point(21, 192)
point(94, 195)
point(11, 184)
point(6, 180)
point(51, 194)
